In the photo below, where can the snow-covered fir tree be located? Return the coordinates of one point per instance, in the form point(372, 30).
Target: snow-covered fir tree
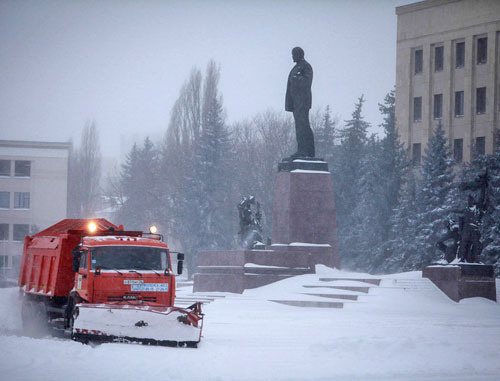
point(139, 187)
point(401, 243)
point(436, 199)
point(324, 137)
point(393, 165)
point(366, 231)
point(490, 228)
point(213, 160)
point(347, 170)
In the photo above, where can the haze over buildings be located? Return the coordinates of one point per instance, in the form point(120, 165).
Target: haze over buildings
point(122, 63)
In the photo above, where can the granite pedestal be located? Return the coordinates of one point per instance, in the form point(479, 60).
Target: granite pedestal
point(304, 211)
point(463, 280)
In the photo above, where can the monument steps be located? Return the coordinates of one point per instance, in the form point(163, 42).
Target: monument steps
point(309, 303)
point(334, 296)
point(346, 288)
point(352, 294)
point(373, 281)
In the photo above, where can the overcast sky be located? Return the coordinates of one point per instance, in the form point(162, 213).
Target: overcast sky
point(122, 63)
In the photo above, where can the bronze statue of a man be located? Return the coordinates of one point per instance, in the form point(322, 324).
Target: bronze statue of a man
point(298, 100)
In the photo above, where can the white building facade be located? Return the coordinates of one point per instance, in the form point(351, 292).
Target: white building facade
point(447, 71)
point(33, 194)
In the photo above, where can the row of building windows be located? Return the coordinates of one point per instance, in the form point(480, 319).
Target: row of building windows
point(458, 150)
point(481, 55)
point(22, 168)
point(459, 105)
point(19, 233)
point(21, 200)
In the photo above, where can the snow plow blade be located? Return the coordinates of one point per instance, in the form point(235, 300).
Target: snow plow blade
point(142, 324)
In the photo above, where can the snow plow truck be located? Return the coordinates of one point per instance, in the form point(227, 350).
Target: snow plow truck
point(99, 283)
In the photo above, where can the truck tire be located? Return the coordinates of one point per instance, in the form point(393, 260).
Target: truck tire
point(70, 311)
point(35, 319)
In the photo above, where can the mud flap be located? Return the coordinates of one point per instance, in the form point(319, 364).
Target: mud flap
point(128, 323)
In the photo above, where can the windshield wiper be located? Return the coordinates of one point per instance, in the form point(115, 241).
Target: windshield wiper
point(135, 271)
point(109, 268)
point(143, 268)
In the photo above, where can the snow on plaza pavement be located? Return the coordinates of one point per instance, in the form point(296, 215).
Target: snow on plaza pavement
point(405, 329)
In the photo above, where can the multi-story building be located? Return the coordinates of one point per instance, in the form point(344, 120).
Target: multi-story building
point(447, 71)
point(33, 194)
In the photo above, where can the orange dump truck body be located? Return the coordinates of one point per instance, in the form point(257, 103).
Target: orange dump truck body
point(46, 267)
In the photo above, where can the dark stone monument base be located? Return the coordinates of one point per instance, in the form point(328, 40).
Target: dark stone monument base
point(304, 214)
point(323, 254)
point(463, 280)
point(238, 270)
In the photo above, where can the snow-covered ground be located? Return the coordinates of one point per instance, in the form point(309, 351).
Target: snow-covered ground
point(404, 329)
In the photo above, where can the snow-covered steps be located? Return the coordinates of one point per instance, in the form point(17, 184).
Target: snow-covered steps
point(334, 296)
point(315, 288)
point(373, 281)
point(309, 303)
point(409, 284)
point(345, 288)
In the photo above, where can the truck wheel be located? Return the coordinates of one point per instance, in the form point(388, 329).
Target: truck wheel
point(35, 319)
point(70, 311)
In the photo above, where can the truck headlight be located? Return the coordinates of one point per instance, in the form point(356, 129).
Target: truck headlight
point(92, 227)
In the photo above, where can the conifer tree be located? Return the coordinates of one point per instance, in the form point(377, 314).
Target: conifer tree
point(346, 171)
point(435, 200)
point(401, 243)
point(139, 187)
point(490, 228)
point(368, 219)
point(394, 163)
point(325, 136)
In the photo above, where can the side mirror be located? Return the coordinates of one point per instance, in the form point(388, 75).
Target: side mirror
point(180, 264)
point(180, 256)
point(76, 259)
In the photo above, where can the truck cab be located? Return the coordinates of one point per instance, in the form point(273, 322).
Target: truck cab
point(118, 269)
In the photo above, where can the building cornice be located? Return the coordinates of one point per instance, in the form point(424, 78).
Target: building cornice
point(422, 5)
point(35, 144)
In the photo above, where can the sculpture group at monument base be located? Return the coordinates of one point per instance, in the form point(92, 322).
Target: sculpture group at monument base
point(463, 280)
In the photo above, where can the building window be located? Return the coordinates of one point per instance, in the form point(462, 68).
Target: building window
point(458, 150)
point(459, 103)
point(438, 58)
point(460, 54)
point(4, 261)
point(4, 232)
point(20, 231)
point(482, 50)
point(4, 200)
point(480, 146)
point(419, 60)
point(438, 106)
point(23, 168)
point(417, 109)
point(21, 200)
point(480, 100)
point(416, 153)
point(4, 167)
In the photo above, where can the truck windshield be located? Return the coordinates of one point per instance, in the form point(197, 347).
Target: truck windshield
point(129, 258)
